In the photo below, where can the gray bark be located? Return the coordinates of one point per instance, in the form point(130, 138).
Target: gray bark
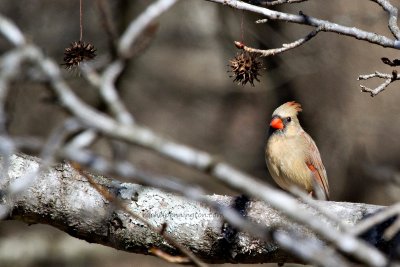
point(63, 198)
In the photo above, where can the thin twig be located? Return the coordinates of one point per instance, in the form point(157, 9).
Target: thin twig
point(10, 64)
point(108, 92)
point(392, 230)
point(280, 2)
point(83, 140)
point(109, 26)
point(137, 26)
point(389, 78)
point(285, 47)
point(168, 257)
point(48, 152)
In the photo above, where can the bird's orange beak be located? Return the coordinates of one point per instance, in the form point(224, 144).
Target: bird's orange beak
point(276, 123)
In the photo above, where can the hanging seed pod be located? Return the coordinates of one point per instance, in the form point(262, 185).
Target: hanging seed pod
point(78, 52)
point(245, 68)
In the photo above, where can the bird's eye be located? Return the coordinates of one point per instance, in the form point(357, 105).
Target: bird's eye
point(288, 119)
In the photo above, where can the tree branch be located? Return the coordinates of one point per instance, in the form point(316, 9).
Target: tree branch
point(280, 2)
point(284, 48)
point(389, 78)
point(393, 13)
point(327, 26)
point(61, 197)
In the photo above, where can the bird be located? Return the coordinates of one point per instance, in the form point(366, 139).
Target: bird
point(292, 156)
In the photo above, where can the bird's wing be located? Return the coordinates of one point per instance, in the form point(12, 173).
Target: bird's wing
point(314, 164)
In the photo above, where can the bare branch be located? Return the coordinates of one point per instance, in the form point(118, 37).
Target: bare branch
point(140, 24)
point(389, 78)
point(393, 13)
point(110, 95)
point(11, 32)
point(285, 47)
point(47, 154)
point(392, 230)
point(280, 2)
point(168, 257)
point(108, 92)
point(315, 22)
point(273, 2)
point(109, 26)
point(10, 64)
point(315, 253)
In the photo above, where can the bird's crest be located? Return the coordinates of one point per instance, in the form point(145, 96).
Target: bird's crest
point(287, 109)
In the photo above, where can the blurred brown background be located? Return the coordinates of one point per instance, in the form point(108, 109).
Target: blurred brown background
point(180, 87)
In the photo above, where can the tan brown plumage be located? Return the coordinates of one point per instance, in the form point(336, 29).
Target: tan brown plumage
point(291, 155)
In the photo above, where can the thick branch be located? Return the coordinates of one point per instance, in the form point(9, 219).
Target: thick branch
point(63, 198)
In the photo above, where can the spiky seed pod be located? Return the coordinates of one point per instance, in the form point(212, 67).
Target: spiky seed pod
point(78, 52)
point(245, 68)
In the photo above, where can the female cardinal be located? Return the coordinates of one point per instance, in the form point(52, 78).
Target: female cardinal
point(292, 156)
